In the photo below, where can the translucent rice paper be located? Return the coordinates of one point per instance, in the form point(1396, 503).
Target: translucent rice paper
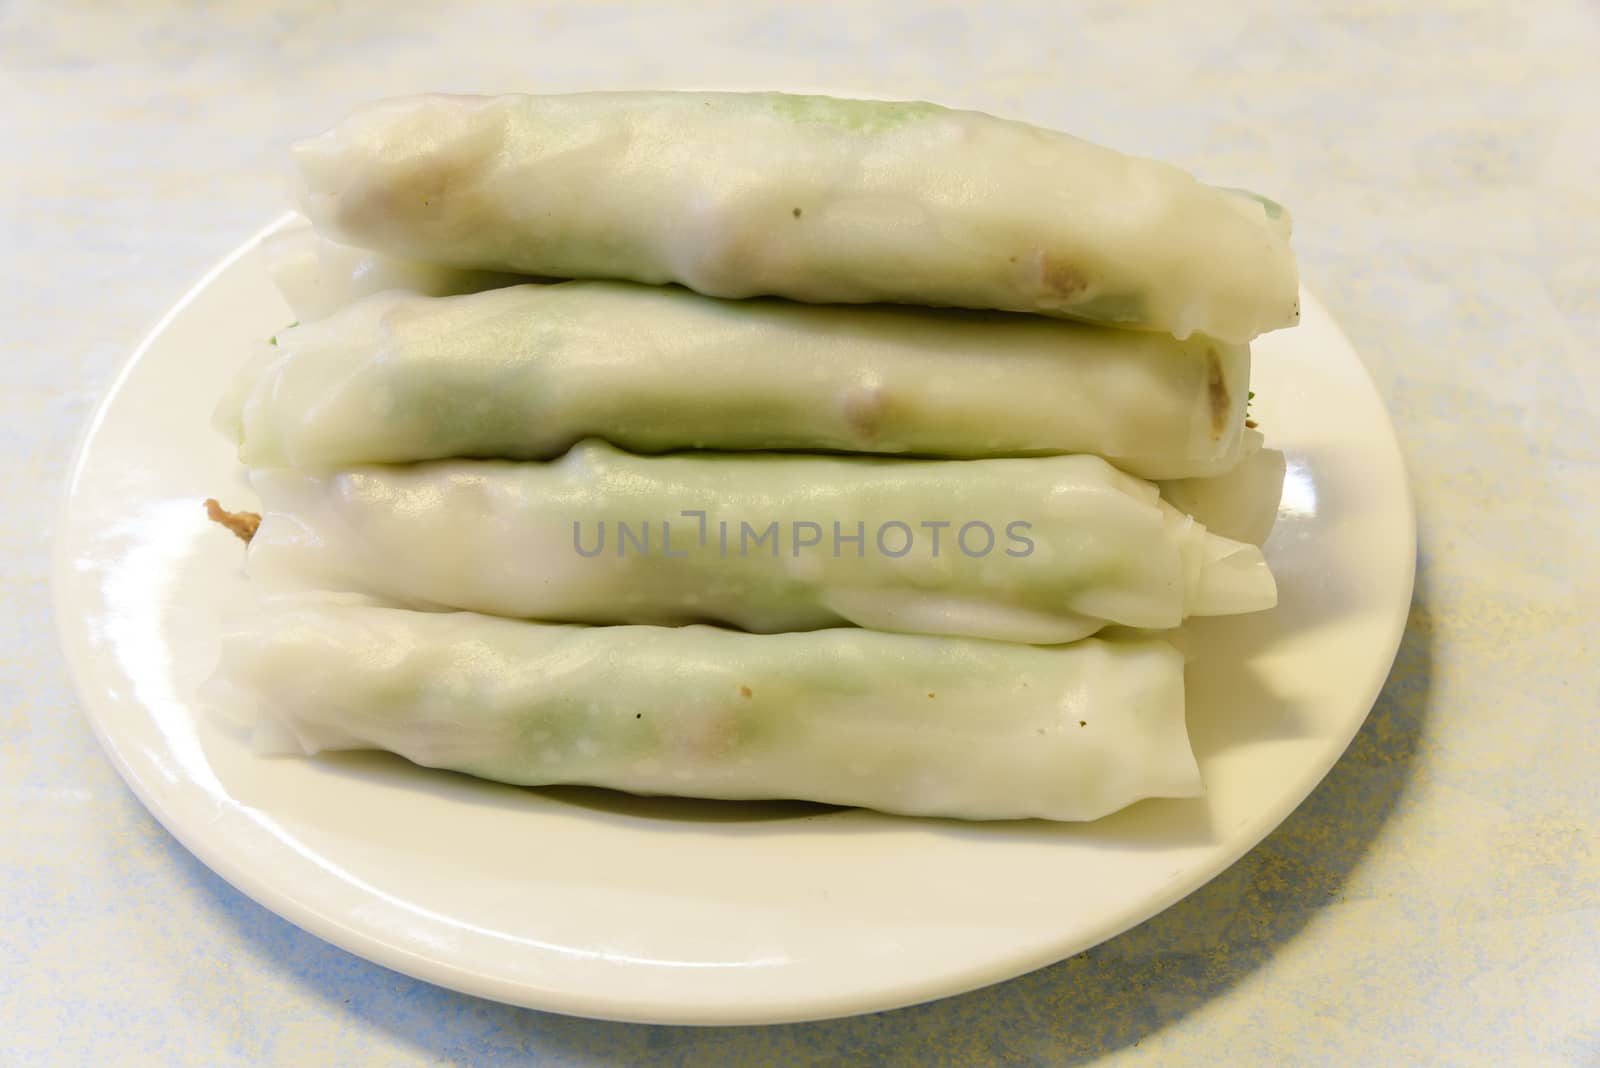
point(810, 198)
point(525, 372)
point(318, 277)
point(914, 725)
point(1241, 504)
point(1039, 550)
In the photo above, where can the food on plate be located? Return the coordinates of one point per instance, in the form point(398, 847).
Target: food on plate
point(914, 725)
point(1038, 550)
point(806, 197)
point(318, 277)
point(525, 372)
point(749, 445)
point(243, 525)
point(1241, 503)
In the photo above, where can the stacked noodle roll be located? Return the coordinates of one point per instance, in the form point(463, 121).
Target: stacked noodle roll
point(815, 478)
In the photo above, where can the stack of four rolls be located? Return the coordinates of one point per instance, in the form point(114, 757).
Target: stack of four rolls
point(815, 481)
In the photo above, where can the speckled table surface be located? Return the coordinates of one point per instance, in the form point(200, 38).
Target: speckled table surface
point(1436, 901)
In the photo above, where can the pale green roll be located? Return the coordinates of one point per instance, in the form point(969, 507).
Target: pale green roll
point(913, 725)
point(525, 372)
point(810, 198)
point(1039, 550)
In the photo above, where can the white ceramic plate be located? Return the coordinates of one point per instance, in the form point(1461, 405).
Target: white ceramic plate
point(601, 905)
